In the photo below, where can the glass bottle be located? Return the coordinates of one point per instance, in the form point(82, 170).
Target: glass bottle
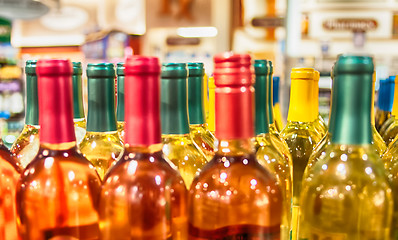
point(384, 102)
point(319, 123)
point(26, 146)
point(320, 149)
point(120, 99)
point(275, 135)
point(197, 125)
point(276, 106)
point(234, 197)
point(178, 146)
point(266, 152)
point(78, 109)
point(58, 193)
point(10, 171)
point(299, 132)
point(390, 127)
point(348, 195)
point(143, 196)
point(210, 120)
point(101, 145)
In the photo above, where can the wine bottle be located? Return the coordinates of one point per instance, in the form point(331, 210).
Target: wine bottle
point(319, 123)
point(78, 109)
point(267, 153)
point(275, 136)
point(384, 101)
point(26, 146)
point(391, 125)
point(10, 171)
point(101, 145)
point(348, 196)
point(234, 197)
point(58, 193)
point(120, 99)
point(143, 197)
point(197, 125)
point(299, 132)
point(211, 117)
point(178, 145)
point(276, 106)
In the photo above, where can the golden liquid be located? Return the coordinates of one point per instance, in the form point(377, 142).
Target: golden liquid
point(234, 197)
point(270, 158)
point(380, 117)
point(320, 126)
point(120, 129)
point(27, 145)
point(203, 138)
point(281, 146)
point(385, 126)
point(102, 149)
point(347, 197)
point(58, 196)
point(143, 197)
point(378, 142)
point(80, 129)
point(10, 173)
point(185, 154)
point(391, 132)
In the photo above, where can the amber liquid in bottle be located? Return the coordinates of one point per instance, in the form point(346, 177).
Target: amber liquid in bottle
point(10, 173)
point(58, 193)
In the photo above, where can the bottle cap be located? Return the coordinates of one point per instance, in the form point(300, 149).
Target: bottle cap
point(120, 69)
point(233, 69)
point(261, 67)
point(142, 101)
point(55, 101)
point(77, 68)
point(174, 70)
point(302, 73)
point(195, 93)
point(30, 67)
point(101, 70)
point(196, 70)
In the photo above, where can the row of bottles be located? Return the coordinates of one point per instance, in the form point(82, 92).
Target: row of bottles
point(168, 177)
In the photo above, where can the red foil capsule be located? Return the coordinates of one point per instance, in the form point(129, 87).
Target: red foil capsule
point(55, 101)
point(142, 100)
point(234, 96)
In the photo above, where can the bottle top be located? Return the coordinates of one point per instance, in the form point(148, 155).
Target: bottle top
point(270, 67)
point(275, 90)
point(77, 68)
point(56, 67)
point(347, 64)
point(142, 101)
point(317, 75)
point(120, 69)
point(302, 73)
point(211, 83)
point(100, 70)
point(174, 70)
point(196, 70)
point(30, 67)
point(232, 69)
point(261, 67)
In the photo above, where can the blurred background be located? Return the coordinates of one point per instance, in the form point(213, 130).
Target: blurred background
point(291, 33)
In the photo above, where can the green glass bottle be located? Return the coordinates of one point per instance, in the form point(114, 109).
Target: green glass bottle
point(101, 145)
point(197, 125)
point(299, 132)
point(348, 196)
point(26, 146)
point(120, 99)
point(178, 145)
point(78, 109)
point(267, 153)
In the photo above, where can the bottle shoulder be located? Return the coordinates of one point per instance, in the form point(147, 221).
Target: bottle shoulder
point(178, 147)
point(104, 142)
point(299, 130)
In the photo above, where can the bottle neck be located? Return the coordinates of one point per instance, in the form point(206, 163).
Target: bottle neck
point(195, 100)
point(269, 97)
point(350, 121)
point(174, 110)
point(234, 112)
point(234, 147)
point(372, 105)
point(144, 149)
point(59, 146)
point(120, 99)
point(261, 88)
point(101, 115)
point(395, 103)
point(275, 91)
point(56, 109)
point(32, 104)
point(142, 110)
point(78, 109)
point(301, 104)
